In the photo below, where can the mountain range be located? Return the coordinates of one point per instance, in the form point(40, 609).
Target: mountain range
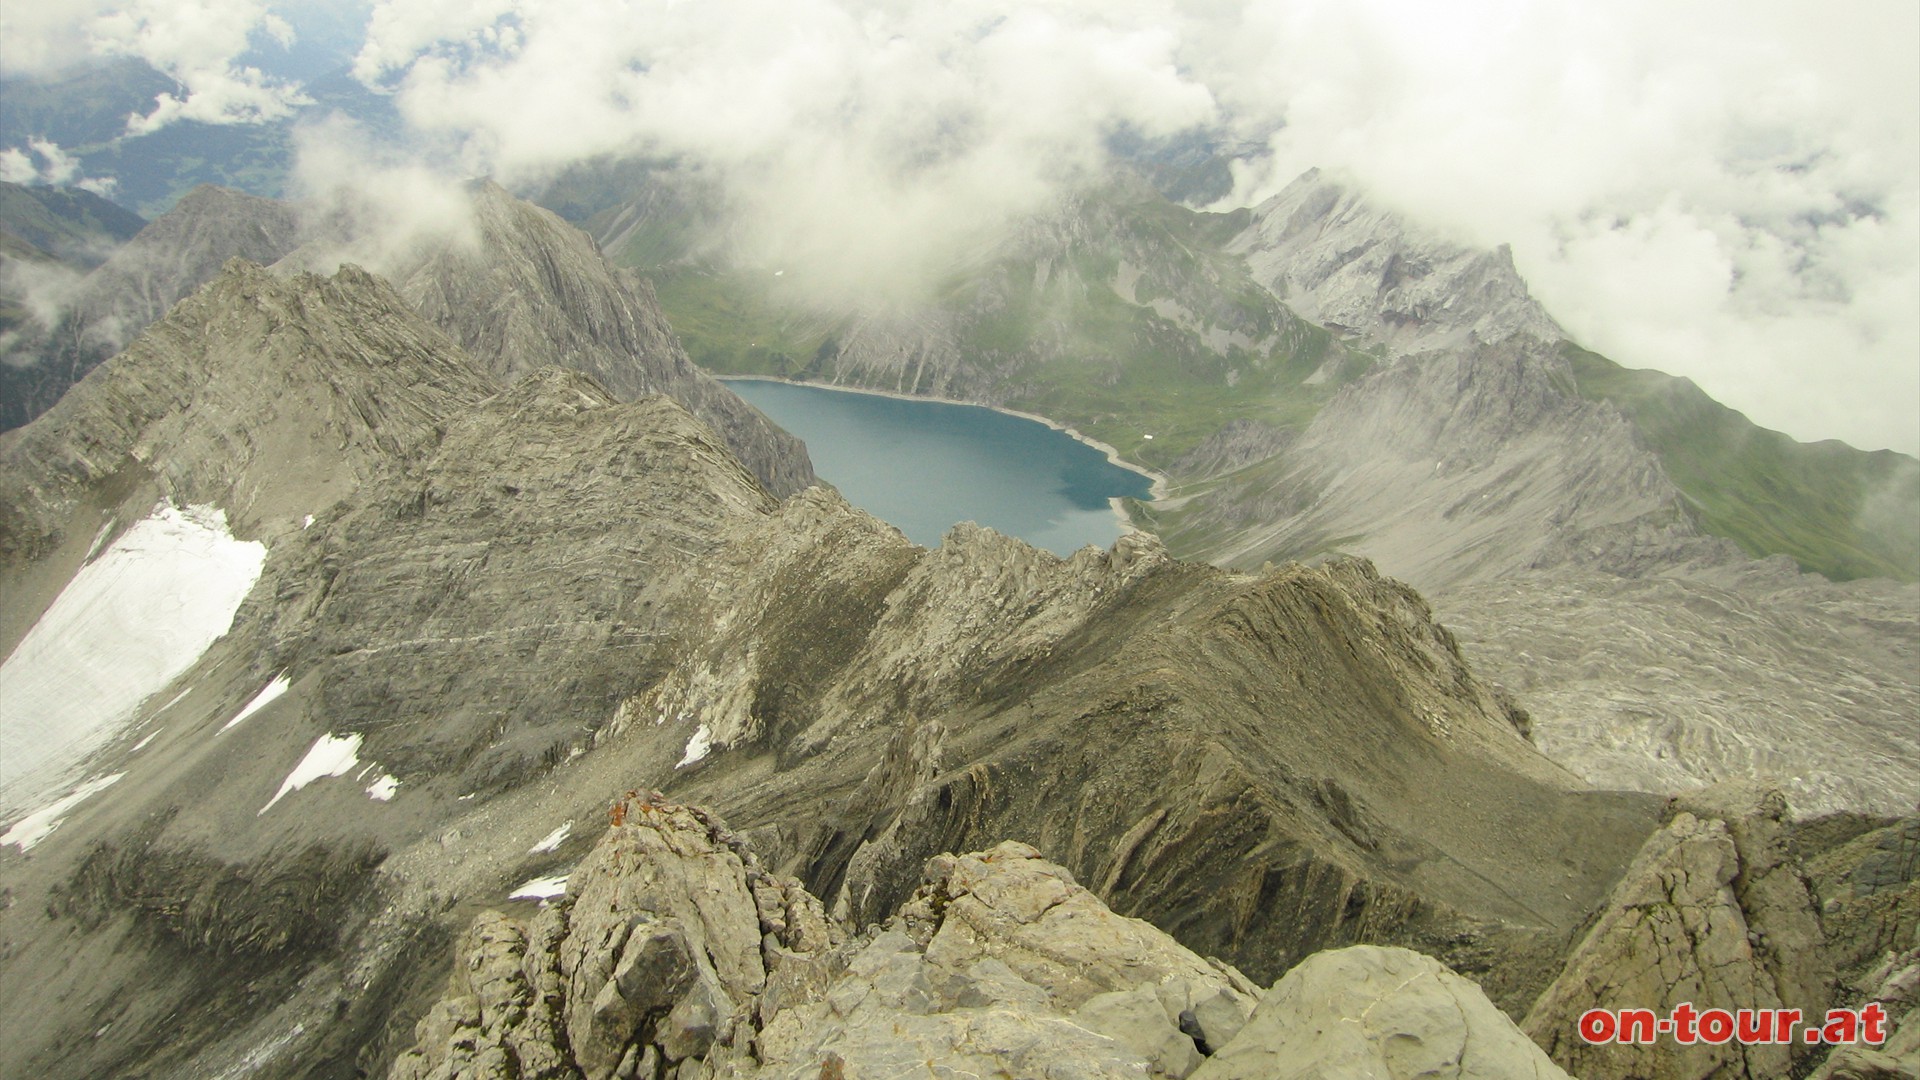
point(565, 727)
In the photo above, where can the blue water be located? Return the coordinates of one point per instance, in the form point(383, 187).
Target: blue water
point(924, 465)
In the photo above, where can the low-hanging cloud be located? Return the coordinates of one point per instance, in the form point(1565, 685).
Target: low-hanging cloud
point(43, 161)
point(367, 203)
point(860, 144)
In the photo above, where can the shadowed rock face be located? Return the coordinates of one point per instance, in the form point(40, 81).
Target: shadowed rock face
point(533, 291)
point(515, 600)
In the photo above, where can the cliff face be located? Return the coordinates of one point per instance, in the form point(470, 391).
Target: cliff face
point(1366, 272)
point(675, 949)
point(513, 600)
point(533, 291)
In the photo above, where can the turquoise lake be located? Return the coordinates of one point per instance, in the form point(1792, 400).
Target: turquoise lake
point(922, 466)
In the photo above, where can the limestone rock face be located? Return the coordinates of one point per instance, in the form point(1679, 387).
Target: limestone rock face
point(1370, 1011)
point(1459, 466)
point(514, 600)
point(1734, 671)
point(1365, 271)
point(1713, 913)
point(532, 291)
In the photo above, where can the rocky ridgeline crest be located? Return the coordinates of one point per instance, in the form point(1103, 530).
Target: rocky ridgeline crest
point(525, 291)
point(675, 954)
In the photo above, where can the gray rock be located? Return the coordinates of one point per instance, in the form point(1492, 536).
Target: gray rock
point(1137, 1020)
point(1711, 913)
point(175, 254)
point(1370, 1011)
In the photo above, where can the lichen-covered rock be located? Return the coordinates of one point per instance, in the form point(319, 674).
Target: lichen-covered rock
point(1367, 1011)
point(1712, 913)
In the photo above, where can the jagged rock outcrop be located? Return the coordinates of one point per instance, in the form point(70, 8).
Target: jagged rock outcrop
point(1360, 269)
point(675, 954)
point(531, 291)
point(1868, 885)
point(1713, 912)
point(1368, 1011)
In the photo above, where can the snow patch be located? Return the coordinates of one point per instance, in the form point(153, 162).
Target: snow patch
point(126, 625)
point(552, 840)
point(382, 789)
point(697, 746)
point(540, 888)
point(142, 744)
point(267, 696)
point(329, 757)
point(38, 825)
point(307, 523)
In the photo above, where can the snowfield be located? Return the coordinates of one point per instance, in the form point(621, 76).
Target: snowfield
point(697, 747)
point(552, 841)
point(267, 696)
point(130, 622)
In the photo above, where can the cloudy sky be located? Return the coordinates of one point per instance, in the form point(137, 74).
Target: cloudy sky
point(1724, 189)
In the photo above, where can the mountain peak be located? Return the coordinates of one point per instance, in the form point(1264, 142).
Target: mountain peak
point(1362, 270)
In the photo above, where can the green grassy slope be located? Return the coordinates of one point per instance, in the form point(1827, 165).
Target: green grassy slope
point(1835, 510)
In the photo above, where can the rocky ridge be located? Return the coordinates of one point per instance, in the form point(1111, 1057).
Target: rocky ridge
point(172, 256)
point(1355, 267)
point(512, 599)
point(676, 954)
point(1547, 529)
point(532, 291)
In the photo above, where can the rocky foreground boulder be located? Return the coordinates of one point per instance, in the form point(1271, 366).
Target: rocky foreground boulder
point(675, 953)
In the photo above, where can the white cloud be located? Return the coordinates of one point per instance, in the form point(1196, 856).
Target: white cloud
point(1728, 191)
point(372, 204)
point(197, 43)
point(860, 143)
point(43, 161)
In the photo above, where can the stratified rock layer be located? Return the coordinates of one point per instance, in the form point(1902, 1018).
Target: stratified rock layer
point(531, 291)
